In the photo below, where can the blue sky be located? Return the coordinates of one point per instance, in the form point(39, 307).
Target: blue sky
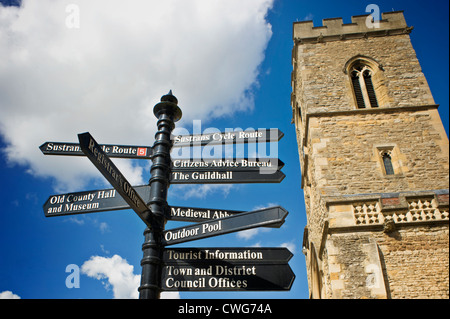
point(229, 65)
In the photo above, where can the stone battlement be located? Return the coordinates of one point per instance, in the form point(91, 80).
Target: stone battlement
point(391, 23)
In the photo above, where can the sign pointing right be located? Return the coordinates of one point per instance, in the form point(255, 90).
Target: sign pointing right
point(231, 137)
point(260, 255)
point(234, 223)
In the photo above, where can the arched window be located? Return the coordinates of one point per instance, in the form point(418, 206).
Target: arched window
point(363, 86)
point(366, 81)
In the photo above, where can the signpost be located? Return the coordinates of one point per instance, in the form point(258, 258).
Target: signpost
point(120, 151)
point(262, 217)
point(185, 269)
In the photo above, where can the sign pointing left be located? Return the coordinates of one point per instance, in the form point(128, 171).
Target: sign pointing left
point(112, 150)
point(93, 201)
point(97, 156)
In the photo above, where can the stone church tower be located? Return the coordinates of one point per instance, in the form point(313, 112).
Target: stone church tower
point(374, 161)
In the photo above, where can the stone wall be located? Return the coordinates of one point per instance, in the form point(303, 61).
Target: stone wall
point(416, 262)
point(344, 152)
point(409, 263)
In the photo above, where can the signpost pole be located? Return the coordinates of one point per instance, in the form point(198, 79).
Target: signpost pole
point(167, 112)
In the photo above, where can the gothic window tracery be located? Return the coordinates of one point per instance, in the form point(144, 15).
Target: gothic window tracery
point(363, 87)
point(367, 82)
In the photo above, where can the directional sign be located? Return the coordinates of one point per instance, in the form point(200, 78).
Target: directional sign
point(183, 256)
point(193, 214)
point(225, 177)
point(227, 277)
point(227, 164)
point(257, 218)
point(120, 151)
point(232, 137)
point(232, 269)
point(96, 155)
point(197, 215)
point(89, 202)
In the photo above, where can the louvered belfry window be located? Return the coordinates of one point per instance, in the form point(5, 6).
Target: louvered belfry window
point(369, 87)
point(363, 88)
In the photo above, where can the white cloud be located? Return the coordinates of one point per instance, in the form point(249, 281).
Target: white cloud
point(308, 17)
point(119, 275)
point(170, 295)
point(8, 295)
point(200, 190)
point(82, 219)
point(105, 76)
point(290, 246)
point(250, 233)
point(79, 220)
point(247, 234)
point(103, 227)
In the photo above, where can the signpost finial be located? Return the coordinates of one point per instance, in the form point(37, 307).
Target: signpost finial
point(168, 105)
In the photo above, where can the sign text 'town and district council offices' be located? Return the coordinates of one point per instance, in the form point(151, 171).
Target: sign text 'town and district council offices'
point(232, 269)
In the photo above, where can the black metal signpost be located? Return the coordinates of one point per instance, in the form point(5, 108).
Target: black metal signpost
point(167, 112)
point(177, 269)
